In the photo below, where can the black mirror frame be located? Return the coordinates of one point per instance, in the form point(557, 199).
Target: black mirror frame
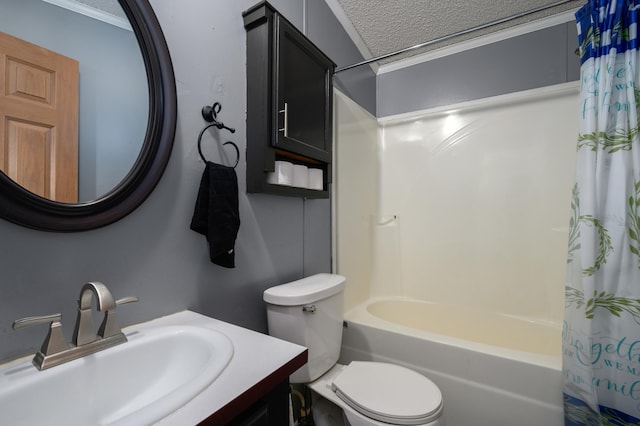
point(27, 209)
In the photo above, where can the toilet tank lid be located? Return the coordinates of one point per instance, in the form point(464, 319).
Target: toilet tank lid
point(306, 290)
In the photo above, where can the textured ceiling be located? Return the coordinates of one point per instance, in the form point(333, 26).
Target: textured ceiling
point(390, 25)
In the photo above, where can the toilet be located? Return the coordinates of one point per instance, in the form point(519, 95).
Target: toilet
point(308, 312)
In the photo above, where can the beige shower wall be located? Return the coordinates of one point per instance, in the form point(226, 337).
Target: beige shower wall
point(356, 190)
point(466, 205)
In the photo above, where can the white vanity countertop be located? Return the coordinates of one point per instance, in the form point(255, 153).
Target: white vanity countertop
point(259, 361)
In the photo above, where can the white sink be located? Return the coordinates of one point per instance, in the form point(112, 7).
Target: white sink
point(139, 382)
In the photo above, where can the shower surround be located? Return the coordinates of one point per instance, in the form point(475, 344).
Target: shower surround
point(465, 209)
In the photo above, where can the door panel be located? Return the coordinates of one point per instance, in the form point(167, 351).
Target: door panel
point(39, 119)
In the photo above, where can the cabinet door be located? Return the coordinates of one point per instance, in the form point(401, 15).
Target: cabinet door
point(302, 94)
point(255, 416)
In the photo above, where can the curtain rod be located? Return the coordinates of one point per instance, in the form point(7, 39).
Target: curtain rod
point(459, 33)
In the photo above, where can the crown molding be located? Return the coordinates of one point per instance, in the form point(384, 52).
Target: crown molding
point(92, 13)
point(529, 27)
point(346, 23)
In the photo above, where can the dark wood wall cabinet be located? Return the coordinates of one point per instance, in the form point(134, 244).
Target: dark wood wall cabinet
point(289, 107)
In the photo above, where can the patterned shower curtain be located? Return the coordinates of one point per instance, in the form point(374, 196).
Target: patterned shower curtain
point(601, 333)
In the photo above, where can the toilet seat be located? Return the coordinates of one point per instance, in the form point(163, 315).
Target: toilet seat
point(388, 393)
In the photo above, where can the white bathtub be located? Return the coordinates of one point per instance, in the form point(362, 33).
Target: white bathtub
point(493, 370)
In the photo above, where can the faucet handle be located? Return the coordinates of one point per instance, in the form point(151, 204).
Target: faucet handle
point(128, 299)
point(110, 326)
point(54, 342)
point(29, 321)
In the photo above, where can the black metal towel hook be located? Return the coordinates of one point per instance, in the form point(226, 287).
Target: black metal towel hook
point(210, 113)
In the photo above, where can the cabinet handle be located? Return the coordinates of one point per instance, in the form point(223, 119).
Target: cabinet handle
point(285, 111)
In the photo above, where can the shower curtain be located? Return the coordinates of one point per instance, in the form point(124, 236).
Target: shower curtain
point(601, 333)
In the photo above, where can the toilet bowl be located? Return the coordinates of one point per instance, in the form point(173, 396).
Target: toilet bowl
point(379, 394)
point(309, 312)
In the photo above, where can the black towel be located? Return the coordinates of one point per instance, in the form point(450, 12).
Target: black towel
point(216, 213)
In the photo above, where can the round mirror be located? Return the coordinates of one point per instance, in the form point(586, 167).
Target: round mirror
point(123, 120)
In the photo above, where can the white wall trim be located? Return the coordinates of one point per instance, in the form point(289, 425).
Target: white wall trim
point(92, 13)
point(541, 92)
point(494, 37)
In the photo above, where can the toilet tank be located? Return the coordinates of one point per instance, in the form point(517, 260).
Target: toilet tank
point(308, 312)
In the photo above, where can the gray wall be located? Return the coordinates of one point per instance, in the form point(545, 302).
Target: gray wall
point(152, 253)
point(537, 59)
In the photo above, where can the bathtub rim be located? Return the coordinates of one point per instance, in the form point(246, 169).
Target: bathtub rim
point(360, 315)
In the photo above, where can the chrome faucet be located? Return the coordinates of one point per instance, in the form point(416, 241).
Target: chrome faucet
point(55, 350)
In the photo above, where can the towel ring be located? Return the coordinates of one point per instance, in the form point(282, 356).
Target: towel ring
point(226, 143)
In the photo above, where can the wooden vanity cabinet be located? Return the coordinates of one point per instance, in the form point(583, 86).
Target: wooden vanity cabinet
point(264, 404)
point(289, 102)
point(271, 410)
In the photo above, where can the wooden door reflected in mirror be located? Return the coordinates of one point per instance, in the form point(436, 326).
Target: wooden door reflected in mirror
point(39, 119)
